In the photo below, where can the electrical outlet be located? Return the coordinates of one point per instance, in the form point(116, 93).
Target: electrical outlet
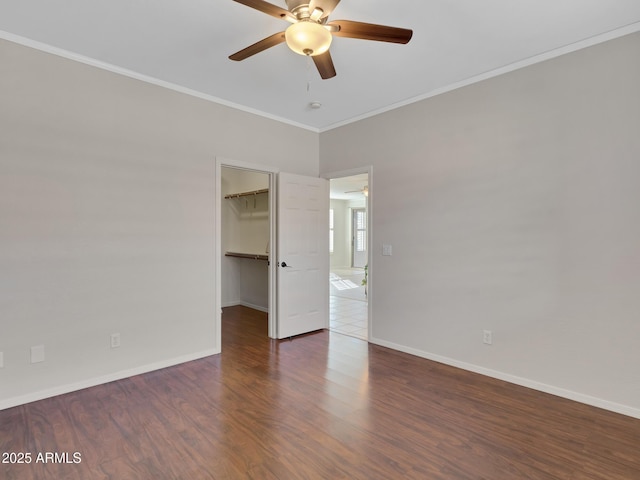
point(487, 337)
point(115, 340)
point(37, 354)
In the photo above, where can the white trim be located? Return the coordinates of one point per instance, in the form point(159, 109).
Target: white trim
point(76, 57)
point(254, 307)
point(231, 303)
point(589, 42)
point(272, 172)
point(246, 304)
point(273, 256)
point(524, 382)
point(228, 162)
point(349, 173)
point(112, 377)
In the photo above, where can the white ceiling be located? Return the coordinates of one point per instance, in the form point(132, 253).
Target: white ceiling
point(185, 44)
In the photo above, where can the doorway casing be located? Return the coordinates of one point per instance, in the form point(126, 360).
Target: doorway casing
point(271, 172)
point(370, 262)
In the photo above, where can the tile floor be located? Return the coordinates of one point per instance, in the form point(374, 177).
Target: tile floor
point(348, 316)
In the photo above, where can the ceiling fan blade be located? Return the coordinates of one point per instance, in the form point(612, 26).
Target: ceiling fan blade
point(327, 6)
point(370, 31)
point(272, 41)
point(324, 63)
point(363, 190)
point(266, 7)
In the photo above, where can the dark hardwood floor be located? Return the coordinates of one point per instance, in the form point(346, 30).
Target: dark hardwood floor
point(322, 406)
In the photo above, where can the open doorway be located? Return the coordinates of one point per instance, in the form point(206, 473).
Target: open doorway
point(245, 235)
point(295, 292)
point(349, 255)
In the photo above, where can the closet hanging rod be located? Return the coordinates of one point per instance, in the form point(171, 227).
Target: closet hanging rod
point(253, 256)
point(246, 194)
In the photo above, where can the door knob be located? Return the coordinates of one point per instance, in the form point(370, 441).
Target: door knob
point(284, 264)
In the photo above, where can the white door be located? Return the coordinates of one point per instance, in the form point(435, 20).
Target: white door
point(302, 263)
point(359, 239)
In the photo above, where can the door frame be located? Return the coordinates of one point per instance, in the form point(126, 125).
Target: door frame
point(272, 172)
point(370, 260)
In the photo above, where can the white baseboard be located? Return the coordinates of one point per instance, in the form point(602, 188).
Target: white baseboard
point(246, 304)
point(92, 382)
point(524, 382)
point(255, 307)
point(230, 303)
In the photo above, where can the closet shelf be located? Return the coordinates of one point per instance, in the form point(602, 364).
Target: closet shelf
point(247, 194)
point(253, 256)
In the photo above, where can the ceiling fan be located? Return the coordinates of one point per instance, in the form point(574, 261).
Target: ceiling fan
point(310, 32)
point(364, 190)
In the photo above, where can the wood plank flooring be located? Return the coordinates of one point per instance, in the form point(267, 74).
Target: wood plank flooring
point(321, 406)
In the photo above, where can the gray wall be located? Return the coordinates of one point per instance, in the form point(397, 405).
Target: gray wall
point(513, 205)
point(107, 209)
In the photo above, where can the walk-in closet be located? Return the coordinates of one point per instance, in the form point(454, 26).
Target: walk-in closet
point(245, 238)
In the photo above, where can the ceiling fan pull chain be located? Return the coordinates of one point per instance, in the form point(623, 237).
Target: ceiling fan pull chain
point(309, 69)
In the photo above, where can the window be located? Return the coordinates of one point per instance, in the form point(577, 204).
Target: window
point(331, 230)
point(360, 224)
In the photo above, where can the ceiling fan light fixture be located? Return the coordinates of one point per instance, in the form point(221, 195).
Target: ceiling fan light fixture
point(308, 38)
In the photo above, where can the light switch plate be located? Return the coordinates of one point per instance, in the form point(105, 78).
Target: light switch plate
point(387, 250)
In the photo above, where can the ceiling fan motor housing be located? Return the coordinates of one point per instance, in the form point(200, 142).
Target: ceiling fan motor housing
point(294, 4)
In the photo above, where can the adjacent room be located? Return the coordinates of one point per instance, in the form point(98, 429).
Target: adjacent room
point(349, 256)
point(407, 249)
